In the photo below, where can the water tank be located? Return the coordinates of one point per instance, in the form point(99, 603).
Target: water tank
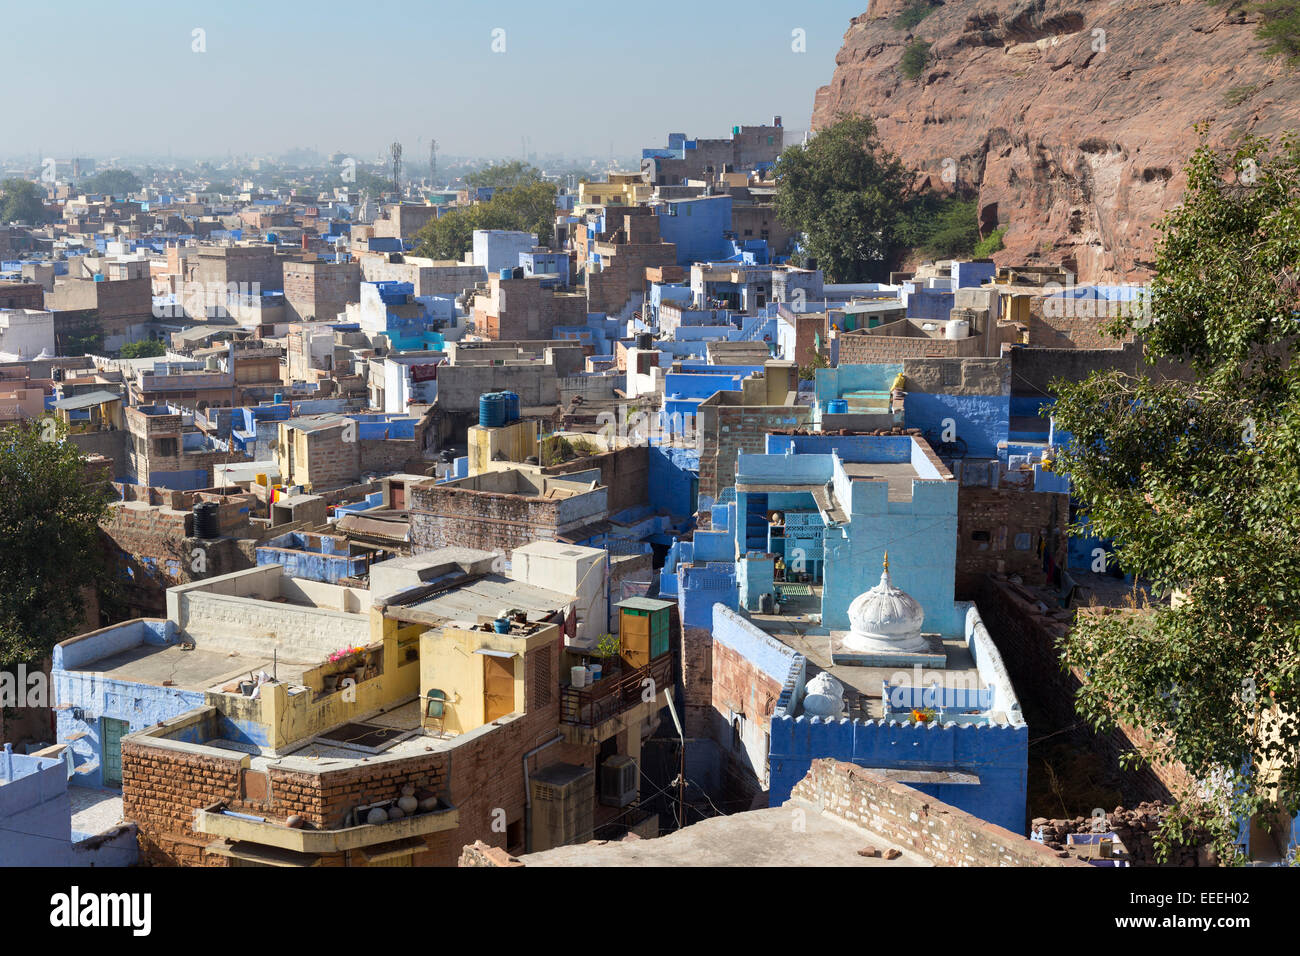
point(206, 524)
point(505, 273)
point(837, 406)
point(956, 329)
point(279, 397)
point(512, 407)
point(645, 340)
point(492, 410)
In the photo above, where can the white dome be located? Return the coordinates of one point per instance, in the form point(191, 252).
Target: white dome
point(885, 619)
point(823, 697)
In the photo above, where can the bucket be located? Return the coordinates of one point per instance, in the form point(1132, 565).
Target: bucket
point(578, 676)
point(594, 670)
point(837, 406)
point(501, 625)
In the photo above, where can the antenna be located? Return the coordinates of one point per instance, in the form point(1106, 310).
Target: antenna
point(433, 162)
point(396, 152)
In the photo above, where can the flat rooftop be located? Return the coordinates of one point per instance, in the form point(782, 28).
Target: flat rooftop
point(753, 838)
point(899, 475)
point(863, 685)
point(197, 669)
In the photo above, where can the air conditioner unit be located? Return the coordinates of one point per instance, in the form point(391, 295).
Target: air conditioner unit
point(620, 779)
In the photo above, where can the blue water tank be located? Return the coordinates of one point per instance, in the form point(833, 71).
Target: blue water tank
point(492, 410)
point(279, 397)
point(837, 406)
point(512, 407)
point(505, 273)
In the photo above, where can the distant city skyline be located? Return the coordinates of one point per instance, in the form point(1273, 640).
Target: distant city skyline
point(503, 79)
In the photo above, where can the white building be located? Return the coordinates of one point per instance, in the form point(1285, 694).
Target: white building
point(26, 333)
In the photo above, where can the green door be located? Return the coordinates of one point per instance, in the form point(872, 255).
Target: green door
point(110, 736)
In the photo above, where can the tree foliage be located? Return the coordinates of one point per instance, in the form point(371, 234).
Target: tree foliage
point(112, 182)
point(915, 56)
point(1197, 481)
point(21, 200)
point(529, 207)
point(845, 193)
point(49, 519)
point(513, 173)
point(913, 13)
point(145, 348)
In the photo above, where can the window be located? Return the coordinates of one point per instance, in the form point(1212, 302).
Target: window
point(542, 678)
point(165, 447)
point(951, 373)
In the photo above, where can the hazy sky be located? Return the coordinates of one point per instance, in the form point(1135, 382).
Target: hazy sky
point(110, 78)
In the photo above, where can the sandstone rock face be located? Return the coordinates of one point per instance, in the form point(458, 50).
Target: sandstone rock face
point(1072, 118)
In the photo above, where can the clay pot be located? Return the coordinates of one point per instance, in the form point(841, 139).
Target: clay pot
point(396, 813)
point(376, 815)
point(295, 822)
point(408, 804)
point(429, 803)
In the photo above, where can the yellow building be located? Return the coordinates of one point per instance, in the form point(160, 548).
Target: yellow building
point(509, 443)
point(623, 189)
point(479, 673)
point(91, 412)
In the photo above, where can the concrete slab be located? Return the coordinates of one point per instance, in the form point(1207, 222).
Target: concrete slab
point(197, 669)
point(93, 810)
point(797, 834)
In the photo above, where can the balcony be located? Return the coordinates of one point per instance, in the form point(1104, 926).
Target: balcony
point(243, 828)
point(614, 695)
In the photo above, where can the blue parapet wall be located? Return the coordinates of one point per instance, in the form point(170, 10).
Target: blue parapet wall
point(981, 421)
point(996, 753)
point(92, 696)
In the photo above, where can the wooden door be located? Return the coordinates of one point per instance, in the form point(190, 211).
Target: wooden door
point(110, 737)
point(498, 687)
point(634, 635)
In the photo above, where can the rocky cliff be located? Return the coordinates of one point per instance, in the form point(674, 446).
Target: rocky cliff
point(1072, 118)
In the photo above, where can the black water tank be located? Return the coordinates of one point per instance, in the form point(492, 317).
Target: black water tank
point(645, 340)
point(206, 524)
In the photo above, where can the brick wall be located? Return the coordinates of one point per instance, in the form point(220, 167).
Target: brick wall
point(1026, 638)
point(939, 832)
point(1077, 324)
point(445, 517)
point(1004, 518)
point(727, 430)
point(624, 471)
point(161, 789)
point(697, 681)
point(864, 349)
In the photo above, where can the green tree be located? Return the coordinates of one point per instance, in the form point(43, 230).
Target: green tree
point(914, 13)
point(513, 173)
point(915, 56)
point(145, 348)
point(112, 182)
point(49, 522)
point(940, 226)
point(845, 193)
point(1197, 482)
point(529, 207)
point(22, 201)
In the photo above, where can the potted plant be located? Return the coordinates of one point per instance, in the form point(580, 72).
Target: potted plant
point(924, 715)
point(607, 652)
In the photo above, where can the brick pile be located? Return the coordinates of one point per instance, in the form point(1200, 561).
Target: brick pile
point(1136, 829)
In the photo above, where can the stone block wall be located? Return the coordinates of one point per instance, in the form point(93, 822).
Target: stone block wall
point(941, 833)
